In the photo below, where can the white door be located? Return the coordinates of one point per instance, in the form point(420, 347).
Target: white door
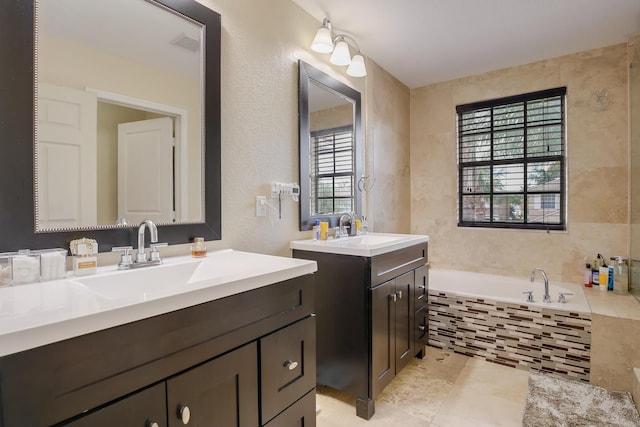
point(145, 170)
point(67, 162)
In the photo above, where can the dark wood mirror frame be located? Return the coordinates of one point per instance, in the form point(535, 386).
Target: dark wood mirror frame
point(307, 75)
point(17, 93)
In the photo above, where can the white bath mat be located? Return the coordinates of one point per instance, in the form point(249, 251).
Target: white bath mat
point(556, 401)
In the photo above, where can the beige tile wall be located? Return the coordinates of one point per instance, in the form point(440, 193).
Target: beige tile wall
point(597, 146)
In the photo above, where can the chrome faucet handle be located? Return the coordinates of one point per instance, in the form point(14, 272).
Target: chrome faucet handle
point(529, 296)
point(125, 259)
point(561, 296)
point(154, 255)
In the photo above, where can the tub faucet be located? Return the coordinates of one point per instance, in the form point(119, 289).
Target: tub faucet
point(547, 297)
point(153, 234)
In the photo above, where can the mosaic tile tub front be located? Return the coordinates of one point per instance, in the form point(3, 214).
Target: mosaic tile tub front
point(512, 334)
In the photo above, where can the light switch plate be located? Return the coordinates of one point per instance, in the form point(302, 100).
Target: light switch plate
point(261, 206)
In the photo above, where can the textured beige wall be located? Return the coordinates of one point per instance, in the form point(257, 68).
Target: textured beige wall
point(261, 45)
point(597, 146)
point(634, 151)
point(387, 153)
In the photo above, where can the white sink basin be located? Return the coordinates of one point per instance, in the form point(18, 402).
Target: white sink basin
point(145, 282)
point(368, 245)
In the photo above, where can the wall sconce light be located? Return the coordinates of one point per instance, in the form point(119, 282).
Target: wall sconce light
point(325, 42)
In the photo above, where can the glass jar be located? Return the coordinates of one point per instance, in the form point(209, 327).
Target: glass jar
point(198, 248)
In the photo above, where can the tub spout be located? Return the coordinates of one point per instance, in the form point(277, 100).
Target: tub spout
point(547, 297)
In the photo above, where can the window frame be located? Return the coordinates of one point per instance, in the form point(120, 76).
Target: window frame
point(524, 160)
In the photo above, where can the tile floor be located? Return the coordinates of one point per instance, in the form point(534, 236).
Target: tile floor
point(442, 390)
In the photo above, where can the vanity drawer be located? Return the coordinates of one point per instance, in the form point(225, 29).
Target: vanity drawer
point(421, 326)
point(300, 414)
point(393, 264)
point(288, 366)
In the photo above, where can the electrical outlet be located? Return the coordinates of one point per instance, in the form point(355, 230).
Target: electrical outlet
point(261, 206)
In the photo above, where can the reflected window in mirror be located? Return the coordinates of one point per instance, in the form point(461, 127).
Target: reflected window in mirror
point(330, 147)
point(332, 171)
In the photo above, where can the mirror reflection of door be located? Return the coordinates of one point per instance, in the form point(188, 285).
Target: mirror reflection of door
point(145, 171)
point(67, 170)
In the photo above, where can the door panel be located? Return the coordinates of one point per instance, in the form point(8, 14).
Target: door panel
point(145, 170)
point(383, 336)
point(404, 320)
point(67, 159)
point(220, 393)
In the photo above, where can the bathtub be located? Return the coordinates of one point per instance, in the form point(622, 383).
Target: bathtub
point(488, 316)
point(508, 289)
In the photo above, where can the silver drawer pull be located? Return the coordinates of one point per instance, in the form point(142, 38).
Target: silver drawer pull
point(399, 294)
point(151, 424)
point(184, 413)
point(421, 327)
point(290, 364)
point(422, 287)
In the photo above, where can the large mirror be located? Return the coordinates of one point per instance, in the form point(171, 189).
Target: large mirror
point(118, 123)
point(330, 147)
point(147, 75)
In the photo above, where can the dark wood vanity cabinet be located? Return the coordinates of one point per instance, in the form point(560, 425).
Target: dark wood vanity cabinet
point(244, 360)
point(371, 319)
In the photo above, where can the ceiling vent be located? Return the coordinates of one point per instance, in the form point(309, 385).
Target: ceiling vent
point(187, 43)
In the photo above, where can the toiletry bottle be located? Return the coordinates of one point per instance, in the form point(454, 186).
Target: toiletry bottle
point(198, 248)
point(358, 227)
point(316, 230)
point(324, 230)
point(84, 258)
point(604, 278)
point(595, 277)
point(588, 276)
point(611, 277)
point(621, 276)
point(364, 226)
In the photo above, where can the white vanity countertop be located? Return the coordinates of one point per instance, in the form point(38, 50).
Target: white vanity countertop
point(369, 245)
point(42, 313)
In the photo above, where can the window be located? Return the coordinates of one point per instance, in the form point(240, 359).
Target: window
point(511, 162)
point(332, 170)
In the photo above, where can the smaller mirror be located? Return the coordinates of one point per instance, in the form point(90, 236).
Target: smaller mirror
point(330, 147)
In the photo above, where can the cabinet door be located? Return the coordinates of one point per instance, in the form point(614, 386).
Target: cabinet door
point(222, 392)
point(404, 323)
point(287, 361)
point(383, 331)
point(141, 409)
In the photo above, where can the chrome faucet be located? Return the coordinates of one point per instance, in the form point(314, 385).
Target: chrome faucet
point(126, 261)
point(153, 234)
point(547, 297)
point(342, 228)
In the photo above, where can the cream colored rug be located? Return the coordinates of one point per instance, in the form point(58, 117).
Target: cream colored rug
point(555, 401)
